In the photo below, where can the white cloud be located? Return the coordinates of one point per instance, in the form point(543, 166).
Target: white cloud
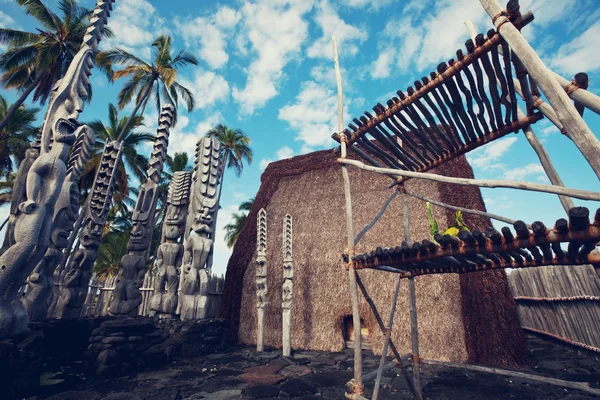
point(313, 114)
point(208, 88)
point(6, 21)
point(521, 173)
point(263, 163)
point(211, 35)
point(373, 5)
point(346, 35)
point(581, 54)
point(274, 43)
point(221, 251)
point(425, 35)
point(285, 152)
point(549, 131)
point(132, 31)
point(487, 157)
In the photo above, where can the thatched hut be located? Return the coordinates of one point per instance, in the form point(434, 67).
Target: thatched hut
point(462, 318)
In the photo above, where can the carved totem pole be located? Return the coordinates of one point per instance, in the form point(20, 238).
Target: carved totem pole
point(78, 272)
point(288, 285)
point(199, 241)
point(170, 252)
point(127, 296)
point(261, 275)
point(45, 178)
point(18, 192)
point(66, 210)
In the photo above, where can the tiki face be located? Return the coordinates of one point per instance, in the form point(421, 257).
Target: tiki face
point(203, 219)
point(142, 217)
point(65, 105)
point(91, 235)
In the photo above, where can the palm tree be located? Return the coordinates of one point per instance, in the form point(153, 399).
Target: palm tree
point(236, 147)
point(35, 61)
point(157, 79)
point(130, 160)
point(234, 228)
point(16, 135)
point(179, 162)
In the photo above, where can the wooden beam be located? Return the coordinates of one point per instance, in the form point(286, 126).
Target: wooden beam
point(358, 385)
point(486, 183)
point(579, 132)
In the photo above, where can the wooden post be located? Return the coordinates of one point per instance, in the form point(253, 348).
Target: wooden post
point(580, 81)
point(261, 276)
point(487, 183)
point(535, 143)
point(579, 132)
point(358, 385)
point(414, 328)
point(386, 343)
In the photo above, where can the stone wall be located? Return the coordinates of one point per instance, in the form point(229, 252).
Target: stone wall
point(102, 346)
point(120, 346)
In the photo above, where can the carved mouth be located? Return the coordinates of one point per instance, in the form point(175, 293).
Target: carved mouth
point(64, 130)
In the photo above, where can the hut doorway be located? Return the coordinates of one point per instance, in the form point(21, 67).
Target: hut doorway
point(348, 333)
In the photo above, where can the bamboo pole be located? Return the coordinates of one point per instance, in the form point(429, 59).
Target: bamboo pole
point(358, 387)
point(486, 183)
point(386, 343)
point(399, 359)
point(377, 217)
point(535, 143)
point(465, 210)
point(414, 328)
point(584, 386)
point(579, 132)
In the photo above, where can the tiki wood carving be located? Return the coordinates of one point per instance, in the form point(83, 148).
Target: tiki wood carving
point(78, 271)
point(127, 296)
point(18, 192)
point(198, 246)
point(46, 176)
point(261, 275)
point(288, 284)
point(170, 252)
point(41, 281)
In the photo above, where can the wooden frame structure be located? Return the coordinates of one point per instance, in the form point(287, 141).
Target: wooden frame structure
point(435, 122)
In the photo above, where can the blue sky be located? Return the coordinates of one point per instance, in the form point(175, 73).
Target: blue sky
point(266, 68)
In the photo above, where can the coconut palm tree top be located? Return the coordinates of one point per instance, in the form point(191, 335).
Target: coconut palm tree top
point(156, 79)
point(236, 146)
point(133, 137)
point(15, 137)
point(47, 53)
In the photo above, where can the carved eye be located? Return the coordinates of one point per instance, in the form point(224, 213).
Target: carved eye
point(69, 106)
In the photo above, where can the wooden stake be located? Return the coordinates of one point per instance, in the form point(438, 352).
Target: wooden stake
point(535, 143)
point(414, 329)
point(486, 183)
point(386, 343)
point(465, 210)
point(583, 386)
point(377, 217)
point(358, 384)
point(579, 132)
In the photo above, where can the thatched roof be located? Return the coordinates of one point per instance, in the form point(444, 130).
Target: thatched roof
point(461, 318)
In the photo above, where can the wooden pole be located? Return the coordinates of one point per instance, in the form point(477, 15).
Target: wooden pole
point(386, 343)
point(579, 132)
point(414, 327)
point(486, 183)
point(358, 384)
point(583, 386)
point(535, 143)
point(377, 217)
point(465, 210)
point(399, 359)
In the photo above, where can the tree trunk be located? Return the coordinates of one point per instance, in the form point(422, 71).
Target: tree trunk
point(134, 112)
point(13, 109)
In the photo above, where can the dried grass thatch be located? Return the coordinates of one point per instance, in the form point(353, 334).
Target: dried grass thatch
point(457, 320)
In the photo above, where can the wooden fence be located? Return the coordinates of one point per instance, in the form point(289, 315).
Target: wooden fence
point(101, 289)
point(562, 302)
